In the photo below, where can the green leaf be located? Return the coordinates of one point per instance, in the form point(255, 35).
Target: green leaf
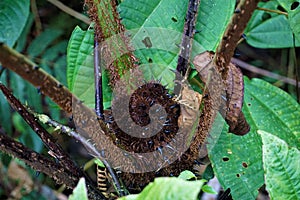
point(80, 68)
point(293, 16)
point(212, 20)
point(40, 43)
point(80, 46)
point(99, 162)
point(80, 191)
point(237, 160)
point(22, 40)
point(208, 189)
point(186, 175)
point(170, 188)
point(13, 17)
point(269, 30)
point(160, 23)
point(271, 109)
point(54, 61)
point(281, 164)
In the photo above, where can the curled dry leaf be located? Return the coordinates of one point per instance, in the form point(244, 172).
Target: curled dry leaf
point(190, 101)
point(234, 86)
point(235, 97)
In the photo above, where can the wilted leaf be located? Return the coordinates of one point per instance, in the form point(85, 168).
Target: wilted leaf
point(20, 175)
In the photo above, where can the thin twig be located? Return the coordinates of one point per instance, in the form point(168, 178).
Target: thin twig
point(100, 115)
point(90, 147)
point(70, 11)
point(272, 11)
point(38, 23)
point(263, 72)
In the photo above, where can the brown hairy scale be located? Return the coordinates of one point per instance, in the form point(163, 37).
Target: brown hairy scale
point(232, 35)
point(107, 26)
point(140, 101)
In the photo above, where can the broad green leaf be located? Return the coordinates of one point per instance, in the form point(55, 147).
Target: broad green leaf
point(80, 191)
point(156, 32)
point(80, 68)
point(237, 160)
point(293, 9)
point(169, 188)
point(282, 167)
point(13, 17)
point(186, 175)
point(213, 18)
point(80, 46)
point(269, 30)
point(271, 109)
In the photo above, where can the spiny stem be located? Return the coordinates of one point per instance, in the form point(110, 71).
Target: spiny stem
point(55, 150)
point(186, 43)
point(47, 139)
point(37, 161)
point(232, 35)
